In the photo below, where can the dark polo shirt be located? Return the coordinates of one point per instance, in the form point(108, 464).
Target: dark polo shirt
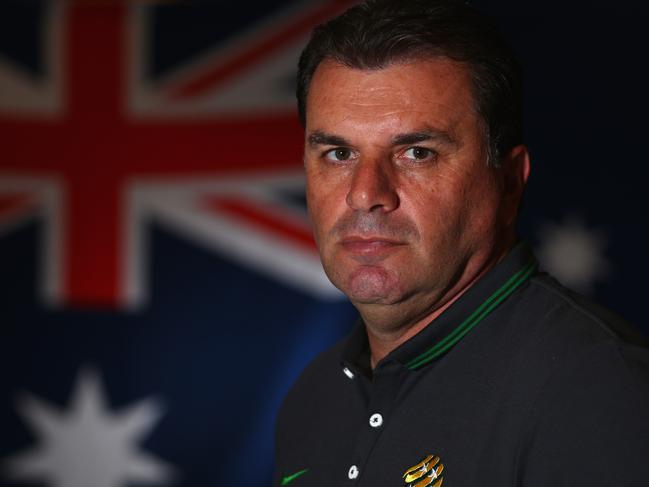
point(519, 382)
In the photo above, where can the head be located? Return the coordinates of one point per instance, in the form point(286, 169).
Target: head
point(412, 151)
point(378, 33)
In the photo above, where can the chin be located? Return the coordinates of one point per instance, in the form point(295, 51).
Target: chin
point(371, 285)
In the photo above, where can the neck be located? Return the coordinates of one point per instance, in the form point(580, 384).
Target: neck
point(382, 343)
point(390, 325)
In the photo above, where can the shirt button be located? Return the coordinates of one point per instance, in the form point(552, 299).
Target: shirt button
point(376, 420)
point(348, 373)
point(353, 472)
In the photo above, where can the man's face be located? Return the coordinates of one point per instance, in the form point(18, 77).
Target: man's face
point(401, 198)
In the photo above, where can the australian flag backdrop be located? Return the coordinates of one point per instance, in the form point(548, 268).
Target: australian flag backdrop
point(159, 286)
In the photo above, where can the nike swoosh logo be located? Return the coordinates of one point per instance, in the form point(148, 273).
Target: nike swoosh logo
point(290, 478)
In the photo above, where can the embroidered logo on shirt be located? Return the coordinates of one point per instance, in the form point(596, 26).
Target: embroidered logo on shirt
point(425, 473)
point(290, 478)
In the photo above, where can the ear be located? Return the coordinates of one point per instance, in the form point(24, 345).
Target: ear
point(515, 167)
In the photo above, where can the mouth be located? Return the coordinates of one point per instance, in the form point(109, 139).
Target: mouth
point(369, 248)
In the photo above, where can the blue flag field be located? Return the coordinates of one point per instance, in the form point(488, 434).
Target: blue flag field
point(160, 289)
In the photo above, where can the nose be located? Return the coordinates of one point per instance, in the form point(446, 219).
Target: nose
point(372, 187)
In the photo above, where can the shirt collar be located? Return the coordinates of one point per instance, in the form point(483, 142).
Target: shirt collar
point(455, 322)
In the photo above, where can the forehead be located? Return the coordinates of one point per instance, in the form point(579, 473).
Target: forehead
point(435, 91)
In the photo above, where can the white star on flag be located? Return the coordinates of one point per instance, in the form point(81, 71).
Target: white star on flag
point(574, 253)
point(88, 445)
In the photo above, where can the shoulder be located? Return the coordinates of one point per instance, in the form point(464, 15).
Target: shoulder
point(320, 374)
point(584, 346)
point(313, 389)
point(566, 321)
point(569, 338)
point(590, 413)
point(314, 409)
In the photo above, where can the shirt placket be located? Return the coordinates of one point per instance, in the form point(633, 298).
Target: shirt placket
point(382, 392)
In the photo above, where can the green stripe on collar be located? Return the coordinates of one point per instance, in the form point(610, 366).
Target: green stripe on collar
point(502, 293)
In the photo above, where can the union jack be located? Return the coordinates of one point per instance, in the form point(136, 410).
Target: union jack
point(96, 147)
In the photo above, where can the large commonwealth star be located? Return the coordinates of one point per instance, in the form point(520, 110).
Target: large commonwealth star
point(88, 445)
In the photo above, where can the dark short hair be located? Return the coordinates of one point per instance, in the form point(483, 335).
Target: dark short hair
point(377, 33)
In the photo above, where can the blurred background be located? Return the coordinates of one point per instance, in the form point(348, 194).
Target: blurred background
point(159, 288)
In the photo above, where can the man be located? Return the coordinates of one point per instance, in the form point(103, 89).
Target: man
point(469, 367)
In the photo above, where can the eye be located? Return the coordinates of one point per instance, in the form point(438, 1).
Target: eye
point(339, 154)
point(419, 153)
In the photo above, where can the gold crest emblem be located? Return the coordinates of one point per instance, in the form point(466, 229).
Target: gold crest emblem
point(425, 473)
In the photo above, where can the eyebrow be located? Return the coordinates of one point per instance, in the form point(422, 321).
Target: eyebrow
point(322, 138)
point(423, 136)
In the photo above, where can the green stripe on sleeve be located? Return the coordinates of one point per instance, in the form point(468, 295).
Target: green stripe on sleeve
point(290, 478)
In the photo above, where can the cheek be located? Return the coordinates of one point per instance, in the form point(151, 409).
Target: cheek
point(429, 203)
point(442, 210)
point(478, 207)
point(315, 213)
point(323, 207)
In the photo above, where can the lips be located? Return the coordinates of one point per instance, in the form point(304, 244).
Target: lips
point(369, 248)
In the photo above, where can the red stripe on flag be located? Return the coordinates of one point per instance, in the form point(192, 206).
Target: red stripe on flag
point(264, 219)
point(96, 47)
point(208, 80)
